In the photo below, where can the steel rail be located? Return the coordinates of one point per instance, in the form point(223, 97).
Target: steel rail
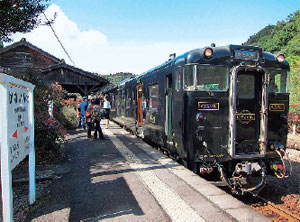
point(288, 215)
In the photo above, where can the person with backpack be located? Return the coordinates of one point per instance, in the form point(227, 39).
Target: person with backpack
point(96, 118)
point(88, 117)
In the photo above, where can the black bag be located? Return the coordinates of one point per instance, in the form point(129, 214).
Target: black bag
point(103, 113)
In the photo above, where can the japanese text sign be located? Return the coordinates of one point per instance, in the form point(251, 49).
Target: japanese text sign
point(16, 118)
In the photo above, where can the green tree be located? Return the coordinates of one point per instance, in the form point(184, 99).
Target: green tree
point(19, 16)
point(284, 37)
point(294, 83)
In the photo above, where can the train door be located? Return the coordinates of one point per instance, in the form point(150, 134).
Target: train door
point(248, 112)
point(139, 105)
point(168, 122)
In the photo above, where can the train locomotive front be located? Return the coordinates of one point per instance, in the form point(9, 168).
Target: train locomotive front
point(235, 114)
point(215, 109)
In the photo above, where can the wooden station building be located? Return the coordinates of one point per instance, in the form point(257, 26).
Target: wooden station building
point(22, 57)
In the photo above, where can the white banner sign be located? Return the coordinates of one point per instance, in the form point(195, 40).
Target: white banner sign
point(17, 136)
point(19, 127)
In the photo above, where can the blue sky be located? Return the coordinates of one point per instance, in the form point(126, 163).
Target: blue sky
point(108, 36)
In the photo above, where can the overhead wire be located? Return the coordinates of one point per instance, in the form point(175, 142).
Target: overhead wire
point(57, 38)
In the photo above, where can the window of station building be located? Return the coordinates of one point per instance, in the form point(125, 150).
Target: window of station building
point(154, 97)
point(277, 81)
point(178, 78)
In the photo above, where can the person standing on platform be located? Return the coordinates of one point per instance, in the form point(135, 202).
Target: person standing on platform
point(88, 117)
point(106, 107)
point(96, 118)
point(83, 106)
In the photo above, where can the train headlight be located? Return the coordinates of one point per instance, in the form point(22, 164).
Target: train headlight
point(208, 53)
point(280, 58)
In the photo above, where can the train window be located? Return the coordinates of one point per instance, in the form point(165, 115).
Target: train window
point(118, 98)
point(246, 86)
point(188, 77)
point(133, 97)
point(212, 78)
point(178, 78)
point(154, 97)
point(112, 99)
point(123, 98)
point(277, 81)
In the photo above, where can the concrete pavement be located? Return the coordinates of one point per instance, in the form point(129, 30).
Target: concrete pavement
point(124, 179)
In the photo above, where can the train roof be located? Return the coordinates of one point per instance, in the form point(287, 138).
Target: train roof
point(222, 55)
point(126, 80)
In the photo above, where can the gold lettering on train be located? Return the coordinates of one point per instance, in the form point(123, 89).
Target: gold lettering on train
point(276, 107)
point(208, 106)
point(218, 155)
point(245, 117)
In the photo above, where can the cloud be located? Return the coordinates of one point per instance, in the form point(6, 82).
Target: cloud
point(92, 51)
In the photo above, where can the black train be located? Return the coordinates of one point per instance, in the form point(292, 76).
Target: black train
point(218, 109)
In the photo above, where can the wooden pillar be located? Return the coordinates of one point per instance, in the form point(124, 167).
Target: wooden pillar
point(86, 90)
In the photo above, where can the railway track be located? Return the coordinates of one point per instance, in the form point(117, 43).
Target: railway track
point(275, 212)
point(279, 214)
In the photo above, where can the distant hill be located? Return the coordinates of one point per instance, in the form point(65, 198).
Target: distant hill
point(284, 37)
point(116, 78)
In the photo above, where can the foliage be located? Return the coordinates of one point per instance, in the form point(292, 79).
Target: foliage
point(115, 79)
point(19, 16)
point(60, 109)
point(294, 83)
point(294, 119)
point(284, 37)
point(69, 117)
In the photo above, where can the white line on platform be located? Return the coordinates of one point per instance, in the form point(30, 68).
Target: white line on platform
point(175, 207)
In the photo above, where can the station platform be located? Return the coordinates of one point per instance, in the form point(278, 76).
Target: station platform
point(122, 178)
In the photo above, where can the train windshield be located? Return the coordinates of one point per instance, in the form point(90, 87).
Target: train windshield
point(277, 80)
point(203, 77)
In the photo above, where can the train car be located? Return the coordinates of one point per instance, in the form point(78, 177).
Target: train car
point(218, 109)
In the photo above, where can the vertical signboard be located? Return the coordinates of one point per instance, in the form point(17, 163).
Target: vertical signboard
point(17, 136)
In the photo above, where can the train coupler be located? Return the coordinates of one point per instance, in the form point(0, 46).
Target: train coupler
point(241, 180)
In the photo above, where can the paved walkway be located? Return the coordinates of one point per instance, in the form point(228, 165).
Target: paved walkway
point(124, 179)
